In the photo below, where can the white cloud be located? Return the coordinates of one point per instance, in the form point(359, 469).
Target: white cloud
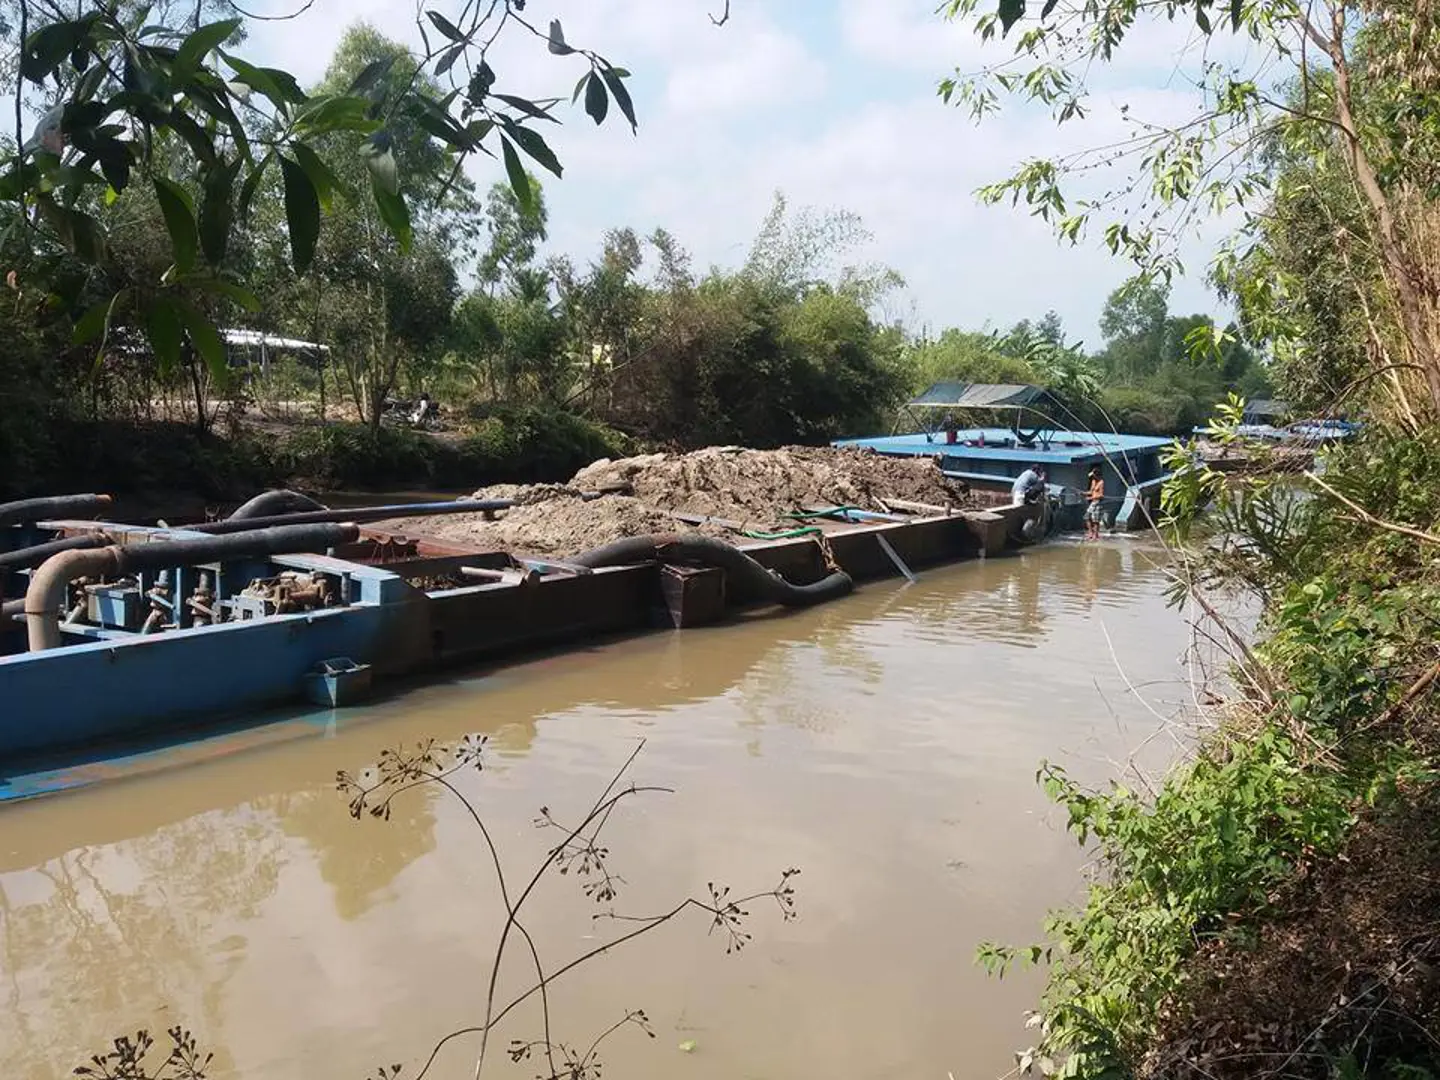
point(758, 68)
point(908, 34)
point(729, 115)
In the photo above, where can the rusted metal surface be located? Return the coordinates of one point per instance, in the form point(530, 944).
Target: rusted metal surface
point(694, 596)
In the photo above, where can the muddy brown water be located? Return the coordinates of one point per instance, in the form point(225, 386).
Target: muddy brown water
point(886, 745)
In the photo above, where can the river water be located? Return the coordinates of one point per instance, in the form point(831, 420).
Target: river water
point(886, 745)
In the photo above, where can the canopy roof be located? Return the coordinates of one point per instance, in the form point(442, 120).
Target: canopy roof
point(959, 395)
point(257, 338)
point(1266, 407)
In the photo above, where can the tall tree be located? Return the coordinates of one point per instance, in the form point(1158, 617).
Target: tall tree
point(1133, 324)
point(1368, 90)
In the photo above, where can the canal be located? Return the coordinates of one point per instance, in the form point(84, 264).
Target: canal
point(885, 745)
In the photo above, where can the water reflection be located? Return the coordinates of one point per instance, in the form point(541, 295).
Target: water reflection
point(886, 744)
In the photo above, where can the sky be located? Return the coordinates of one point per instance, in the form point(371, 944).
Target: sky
point(832, 102)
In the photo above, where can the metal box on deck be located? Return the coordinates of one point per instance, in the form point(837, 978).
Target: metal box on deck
point(692, 596)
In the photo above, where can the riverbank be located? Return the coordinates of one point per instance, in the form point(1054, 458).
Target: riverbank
point(1269, 910)
point(145, 462)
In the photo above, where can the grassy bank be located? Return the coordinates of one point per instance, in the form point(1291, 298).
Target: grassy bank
point(521, 444)
point(1273, 908)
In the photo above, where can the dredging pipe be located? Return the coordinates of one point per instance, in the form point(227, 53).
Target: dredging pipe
point(367, 513)
point(46, 594)
point(51, 506)
point(688, 549)
point(273, 503)
point(30, 557)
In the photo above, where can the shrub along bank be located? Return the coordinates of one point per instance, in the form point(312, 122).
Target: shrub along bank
point(1272, 909)
point(520, 444)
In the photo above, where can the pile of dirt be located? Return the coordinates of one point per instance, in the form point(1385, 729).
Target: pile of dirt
point(757, 487)
point(558, 525)
point(753, 488)
point(1352, 967)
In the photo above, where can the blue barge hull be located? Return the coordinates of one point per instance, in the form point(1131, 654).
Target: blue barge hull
point(109, 683)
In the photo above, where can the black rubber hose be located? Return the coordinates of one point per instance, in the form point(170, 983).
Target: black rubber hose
point(355, 514)
point(707, 551)
point(54, 506)
point(284, 540)
point(31, 557)
point(271, 503)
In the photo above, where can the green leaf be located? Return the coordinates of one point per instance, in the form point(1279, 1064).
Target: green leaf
point(46, 49)
point(614, 79)
point(194, 48)
point(206, 339)
point(179, 214)
point(448, 58)
point(597, 101)
point(557, 39)
point(1236, 10)
point(519, 182)
point(321, 175)
point(219, 287)
point(380, 160)
point(445, 26)
point(217, 210)
point(531, 142)
point(529, 108)
point(337, 113)
point(1202, 20)
point(162, 327)
point(370, 76)
point(302, 213)
point(95, 323)
point(279, 86)
point(1048, 8)
point(1010, 13)
point(194, 136)
point(252, 182)
point(395, 214)
point(439, 123)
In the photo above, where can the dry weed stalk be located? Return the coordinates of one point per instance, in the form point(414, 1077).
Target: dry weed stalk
point(579, 850)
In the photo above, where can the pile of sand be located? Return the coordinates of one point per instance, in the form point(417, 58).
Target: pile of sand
point(757, 487)
point(561, 525)
point(752, 488)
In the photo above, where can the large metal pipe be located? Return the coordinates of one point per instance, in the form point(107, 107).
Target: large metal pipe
point(53, 506)
point(46, 595)
point(272, 503)
point(368, 513)
point(693, 548)
point(30, 557)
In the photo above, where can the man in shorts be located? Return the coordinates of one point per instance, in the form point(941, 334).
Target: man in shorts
point(1094, 504)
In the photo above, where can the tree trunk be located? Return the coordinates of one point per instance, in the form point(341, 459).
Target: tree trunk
point(1399, 269)
point(202, 419)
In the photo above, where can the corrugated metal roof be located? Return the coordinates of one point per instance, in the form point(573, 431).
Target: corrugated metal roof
point(959, 395)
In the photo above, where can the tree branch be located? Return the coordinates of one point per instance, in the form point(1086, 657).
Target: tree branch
point(1370, 519)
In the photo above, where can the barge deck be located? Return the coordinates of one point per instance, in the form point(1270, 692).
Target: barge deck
point(160, 644)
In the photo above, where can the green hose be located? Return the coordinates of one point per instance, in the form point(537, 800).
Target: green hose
point(835, 512)
point(788, 534)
